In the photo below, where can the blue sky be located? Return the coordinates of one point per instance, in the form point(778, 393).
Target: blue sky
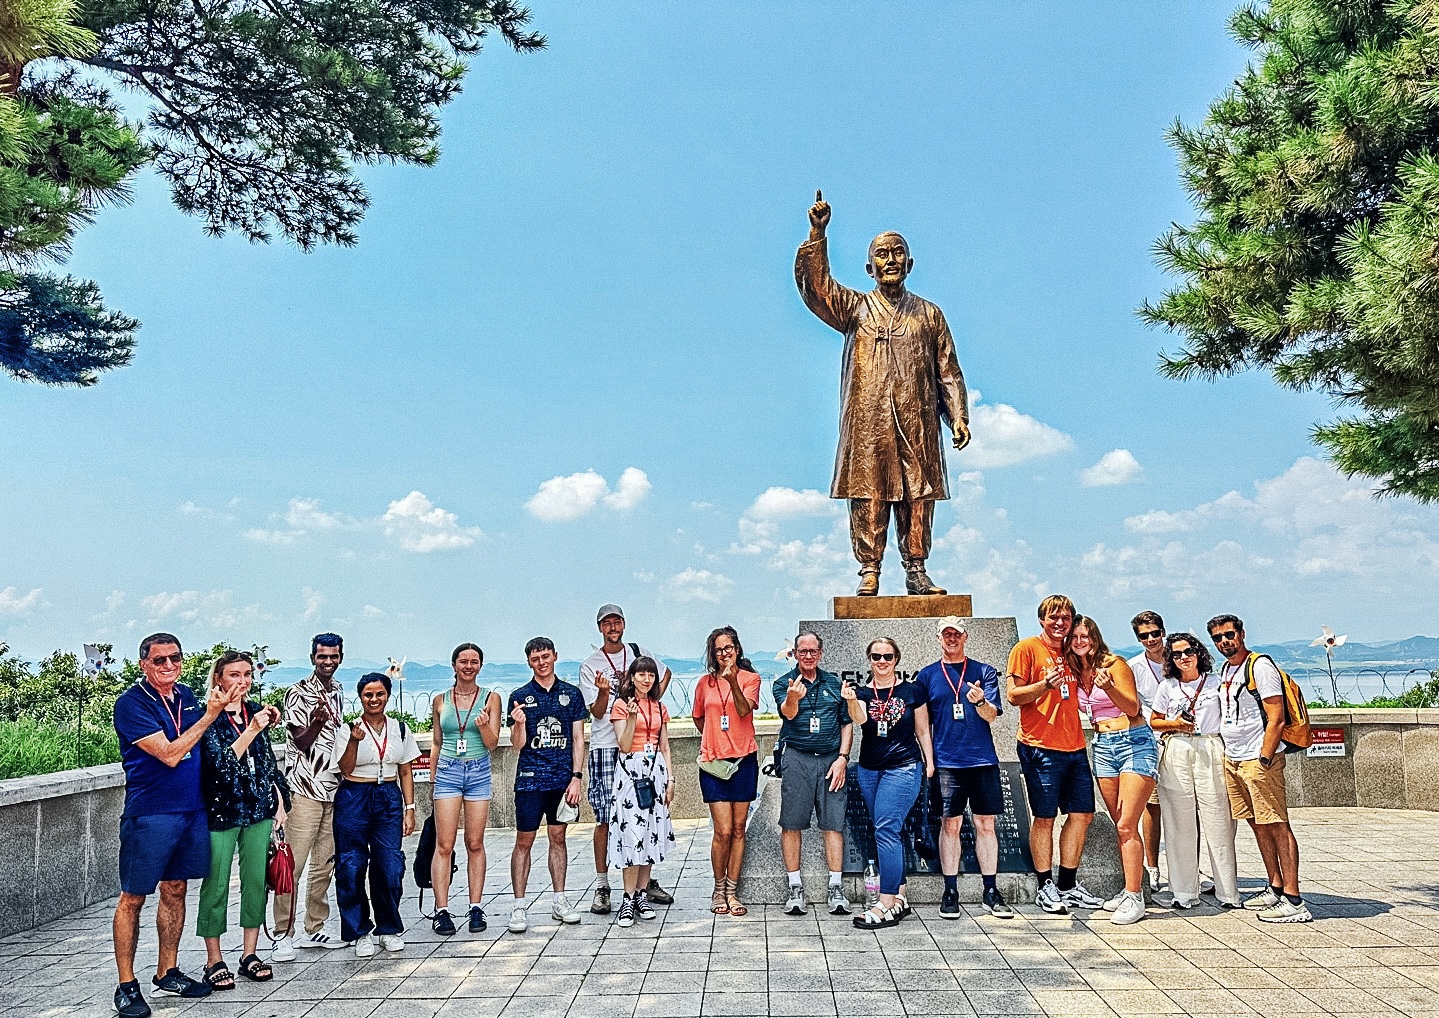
point(568, 364)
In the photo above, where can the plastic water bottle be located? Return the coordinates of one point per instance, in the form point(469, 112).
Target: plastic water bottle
point(871, 885)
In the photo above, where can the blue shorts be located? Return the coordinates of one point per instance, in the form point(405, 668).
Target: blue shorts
point(1127, 751)
point(454, 777)
point(743, 787)
point(163, 846)
point(1057, 781)
point(532, 807)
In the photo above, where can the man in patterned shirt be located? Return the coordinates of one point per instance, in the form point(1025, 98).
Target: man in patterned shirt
point(312, 715)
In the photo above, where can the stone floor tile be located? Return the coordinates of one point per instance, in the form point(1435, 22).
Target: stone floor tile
point(1003, 1002)
point(1071, 1002)
point(354, 1008)
point(1052, 979)
point(668, 1005)
point(735, 1005)
point(909, 980)
point(472, 1007)
point(795, 1004)
point(936, 1002)
point(1348, 1001)
point(720, 981)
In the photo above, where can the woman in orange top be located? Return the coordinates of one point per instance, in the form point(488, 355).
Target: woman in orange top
point(724, 704)
point(640, 833)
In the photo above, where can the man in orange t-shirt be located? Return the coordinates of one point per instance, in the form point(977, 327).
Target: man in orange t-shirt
point(1052, 755)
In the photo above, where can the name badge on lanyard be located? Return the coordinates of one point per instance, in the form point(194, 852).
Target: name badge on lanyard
point(958, 711)
point(813, 724)
point(724, 722)
point(881, 728)
point(1064, 690)
point(460, 745)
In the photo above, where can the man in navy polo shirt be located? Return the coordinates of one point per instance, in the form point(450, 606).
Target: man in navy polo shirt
point(963, 699)
point(548, 716)
point(164, 835)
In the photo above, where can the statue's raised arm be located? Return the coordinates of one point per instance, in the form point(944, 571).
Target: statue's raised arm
point(831, 303)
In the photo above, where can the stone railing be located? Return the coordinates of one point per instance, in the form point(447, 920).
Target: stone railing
point(60, 833)
point(1390, 761)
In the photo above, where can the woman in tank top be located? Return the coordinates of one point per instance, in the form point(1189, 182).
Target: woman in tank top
point(467, 719)
point(1126, 757)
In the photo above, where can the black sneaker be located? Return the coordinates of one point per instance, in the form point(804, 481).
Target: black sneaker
point(177, 984)
point(994, 901)
point(477, 920)
point(949, 906)
point(130, 1002)
point(442, 923)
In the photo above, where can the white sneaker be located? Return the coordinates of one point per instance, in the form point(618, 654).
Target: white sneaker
point(392, 941)
point(1112, 904)
point(1177, 902)
point(365, 947)
point(1286, 912)
point(1078, 897)
point(795, 905)
point(1153, 872)
point(1050, 899)
point(284, 949)
point(1130, 910)
point(321, 938)
point(563, 911)
point(1264, 900)
point(519, 922)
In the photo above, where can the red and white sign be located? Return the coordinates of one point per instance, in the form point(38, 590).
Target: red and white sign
point(1327, 742)
point(420, 767)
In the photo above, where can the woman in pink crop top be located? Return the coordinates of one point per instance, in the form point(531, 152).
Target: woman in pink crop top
point(1126, 755)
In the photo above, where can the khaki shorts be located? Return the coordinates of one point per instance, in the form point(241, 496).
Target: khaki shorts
point(1255, 793)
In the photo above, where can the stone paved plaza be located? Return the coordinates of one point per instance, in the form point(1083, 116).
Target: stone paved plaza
point(1374, 949)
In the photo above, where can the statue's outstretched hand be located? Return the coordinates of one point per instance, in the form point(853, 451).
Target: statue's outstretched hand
point(819, 214)
point(961, 434)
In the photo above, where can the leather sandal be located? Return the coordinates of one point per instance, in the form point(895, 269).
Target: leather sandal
point(718, 904)
point(219, 976)
point(877, 917)
point(736, 907)
point(255, 970)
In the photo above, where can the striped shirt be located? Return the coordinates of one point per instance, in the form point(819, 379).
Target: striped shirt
point(312, 771)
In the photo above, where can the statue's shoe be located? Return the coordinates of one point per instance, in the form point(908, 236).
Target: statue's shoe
point(917, 581)
point(868, 584)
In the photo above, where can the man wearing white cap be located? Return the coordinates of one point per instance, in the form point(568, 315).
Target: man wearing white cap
point(963, 699)
point(600, 676)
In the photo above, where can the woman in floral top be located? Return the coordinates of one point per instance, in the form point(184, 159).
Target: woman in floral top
point(246, 794)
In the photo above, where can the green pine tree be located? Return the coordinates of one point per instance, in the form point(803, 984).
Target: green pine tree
point(1316, 250)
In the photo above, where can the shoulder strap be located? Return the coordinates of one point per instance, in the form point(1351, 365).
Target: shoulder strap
point(635, 649)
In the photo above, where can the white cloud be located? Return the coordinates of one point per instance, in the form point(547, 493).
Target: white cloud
point(12, 602)
point(371, 612)
point(1001, 436)
point(1114, 468)
point(314, 601)
point(306, 514)
point(215, 608)
point(569, 498)
point(698, 585)
point(760, 524)
point(279, 537)
point(633, 487)
point(421, 526)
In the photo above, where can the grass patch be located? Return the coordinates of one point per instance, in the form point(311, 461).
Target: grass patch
point(40, 747)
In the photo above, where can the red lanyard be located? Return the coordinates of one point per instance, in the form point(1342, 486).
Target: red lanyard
point(644, 706)
point(175, 717)
point(885, 702)
point(456, 707)
point(381, 746)
point(720, 692)
point(962, 670)
point(624, 661)
point(244, 718)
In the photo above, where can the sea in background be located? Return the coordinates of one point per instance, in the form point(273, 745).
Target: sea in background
point(1361, 672)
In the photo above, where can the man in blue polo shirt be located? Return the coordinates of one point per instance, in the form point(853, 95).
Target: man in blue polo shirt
point(963, 699)
point(164, 835)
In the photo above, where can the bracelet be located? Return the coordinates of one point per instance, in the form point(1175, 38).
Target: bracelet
point(409, 806)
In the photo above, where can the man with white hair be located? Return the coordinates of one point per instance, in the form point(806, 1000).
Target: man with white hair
point(964, 699)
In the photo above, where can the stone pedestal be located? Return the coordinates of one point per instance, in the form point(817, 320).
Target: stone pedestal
point(990, 640)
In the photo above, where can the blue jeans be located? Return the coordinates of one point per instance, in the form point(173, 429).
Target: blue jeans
point(368, 822)
point(890, 796)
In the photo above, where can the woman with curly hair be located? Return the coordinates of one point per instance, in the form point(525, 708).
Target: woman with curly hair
point(641, 833)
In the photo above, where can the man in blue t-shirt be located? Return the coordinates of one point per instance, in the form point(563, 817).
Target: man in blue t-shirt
point(548, 718)
point(963, 698)
point(164, 835)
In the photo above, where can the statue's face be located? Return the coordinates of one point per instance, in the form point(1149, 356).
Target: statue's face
point(889, 260)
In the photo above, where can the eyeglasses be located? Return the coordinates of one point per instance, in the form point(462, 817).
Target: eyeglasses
point(728, 649)
point(1187, 652)
point(806, 652)
point(1152, 634)
point(881, 657)
point(161, 660)
point(1228, 634)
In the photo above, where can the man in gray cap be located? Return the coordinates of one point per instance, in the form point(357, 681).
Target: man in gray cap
point(600, 676)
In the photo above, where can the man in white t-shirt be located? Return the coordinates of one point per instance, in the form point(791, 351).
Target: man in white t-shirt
point(1148, 669)
point(600, 677)
point(1254, 767)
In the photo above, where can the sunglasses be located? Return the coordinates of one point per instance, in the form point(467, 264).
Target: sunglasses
point(161, 660)
point(1228, 634)
point(881, 657)
point(1191, 652)
point(1152, 634)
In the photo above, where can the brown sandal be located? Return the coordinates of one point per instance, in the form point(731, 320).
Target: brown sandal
point(718, 905)
point(736, 907)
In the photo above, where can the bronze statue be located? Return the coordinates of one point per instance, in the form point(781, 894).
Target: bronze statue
point(900, 377)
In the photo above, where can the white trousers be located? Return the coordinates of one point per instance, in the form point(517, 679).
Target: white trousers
point(1193, 798)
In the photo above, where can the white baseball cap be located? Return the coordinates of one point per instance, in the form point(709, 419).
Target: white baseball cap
point(951, 622)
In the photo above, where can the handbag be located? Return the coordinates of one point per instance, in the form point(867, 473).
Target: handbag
point(722, 769)
point(775, 768)
point(644, 788)
point(280, 866)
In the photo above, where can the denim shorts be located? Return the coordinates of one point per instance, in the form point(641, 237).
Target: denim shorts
point(1127, 751)
point(454, 777)
point(1057, 781)
point(163, 846)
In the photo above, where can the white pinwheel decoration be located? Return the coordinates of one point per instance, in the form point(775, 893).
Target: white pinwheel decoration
point(788, 653)
point(1328, 641)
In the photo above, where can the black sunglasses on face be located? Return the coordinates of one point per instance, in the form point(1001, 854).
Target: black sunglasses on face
point(161, 660)
point(1152, 634)
point(881, 657)
point(1228, 634)
point(1188, 652)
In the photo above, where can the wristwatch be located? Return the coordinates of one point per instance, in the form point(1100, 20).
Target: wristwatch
point(576, 774)
point(409, 806)
point(1266, 762)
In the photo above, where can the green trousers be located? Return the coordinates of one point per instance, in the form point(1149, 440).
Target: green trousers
point(253, 843)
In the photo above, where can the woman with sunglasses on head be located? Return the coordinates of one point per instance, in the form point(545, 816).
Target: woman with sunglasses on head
point(724, 704)
point(1188, 712)
point(640, 833)
point(246, 795)
point(468, 720)
point(374, 813)
point(1126, 756)
point(896, 757)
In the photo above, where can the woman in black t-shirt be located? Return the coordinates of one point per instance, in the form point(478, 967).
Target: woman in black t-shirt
point(896, 757)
